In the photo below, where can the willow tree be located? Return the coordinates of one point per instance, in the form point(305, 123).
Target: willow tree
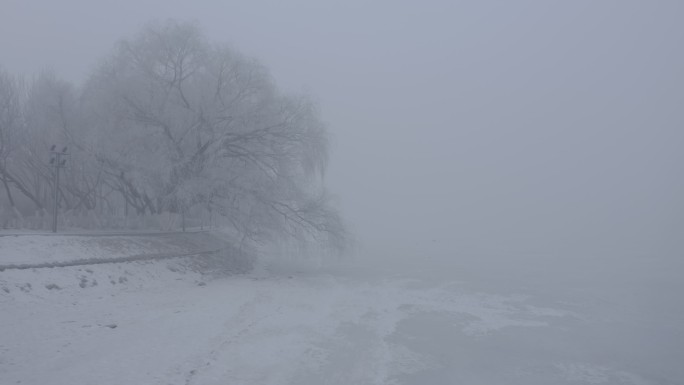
point(181, 122)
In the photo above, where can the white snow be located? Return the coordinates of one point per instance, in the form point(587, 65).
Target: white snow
point(28, 249)
point(168, 322)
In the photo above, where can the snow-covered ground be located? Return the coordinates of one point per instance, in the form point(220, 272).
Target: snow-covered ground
point(46, 249)
point(424, 320)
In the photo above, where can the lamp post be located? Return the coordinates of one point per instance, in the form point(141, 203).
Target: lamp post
point(57, 162)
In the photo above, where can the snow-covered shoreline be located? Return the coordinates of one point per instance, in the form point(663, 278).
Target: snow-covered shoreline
point(38, 250)
point(192, 321)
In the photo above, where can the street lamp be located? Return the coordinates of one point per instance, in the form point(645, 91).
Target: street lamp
point(57, 162)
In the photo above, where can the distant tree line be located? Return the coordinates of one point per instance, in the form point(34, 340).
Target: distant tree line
point(169, 123)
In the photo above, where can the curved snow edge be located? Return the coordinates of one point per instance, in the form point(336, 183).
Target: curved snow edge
point(98, 261)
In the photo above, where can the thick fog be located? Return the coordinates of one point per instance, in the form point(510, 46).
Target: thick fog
point(511, 173)
point(518, 127)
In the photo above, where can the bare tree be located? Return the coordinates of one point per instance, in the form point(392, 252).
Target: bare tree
point(10, 122)
point(13, 143)
point(183, 123)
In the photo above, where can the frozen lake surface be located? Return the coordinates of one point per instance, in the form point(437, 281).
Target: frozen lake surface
point(435, 320)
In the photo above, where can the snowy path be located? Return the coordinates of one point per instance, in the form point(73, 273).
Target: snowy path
point(34, 251)
point(309, 328)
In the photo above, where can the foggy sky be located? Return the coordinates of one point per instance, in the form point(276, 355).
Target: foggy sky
point(458, 126)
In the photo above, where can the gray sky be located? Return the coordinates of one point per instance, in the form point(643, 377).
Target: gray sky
point(459, 126)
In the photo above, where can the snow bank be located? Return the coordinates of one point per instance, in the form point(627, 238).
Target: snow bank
point(33, 251)
point(38, 265)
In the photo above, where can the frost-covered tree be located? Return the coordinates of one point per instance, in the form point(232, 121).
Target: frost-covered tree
point(35, 115)
point(180, 123)
point(11, 125)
